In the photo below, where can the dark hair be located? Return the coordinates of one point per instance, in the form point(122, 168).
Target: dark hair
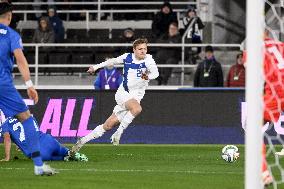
point(239, 55)
point(139, 41)
point(191, 9)
point(174, 24)
point(209, 48)
point(5, 7)
point(49, 8)
point(167, 4)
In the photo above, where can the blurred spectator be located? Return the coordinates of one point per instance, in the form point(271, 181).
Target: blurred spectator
point(194, 34)
point(209, 72)
point(37, 7)
point(108, 78)
point(237, 74)
point(128, 36)
point(57, 24)
point(168, 55)
point(163, 19)
point(44, 33)
point(82, 15)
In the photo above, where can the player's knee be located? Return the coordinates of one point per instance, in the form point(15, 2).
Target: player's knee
point(136, 110)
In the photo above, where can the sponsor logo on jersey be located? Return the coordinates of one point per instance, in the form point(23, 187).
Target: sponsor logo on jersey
point(3, 31)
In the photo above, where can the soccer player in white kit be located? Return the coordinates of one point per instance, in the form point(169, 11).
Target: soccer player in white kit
point(139, 68)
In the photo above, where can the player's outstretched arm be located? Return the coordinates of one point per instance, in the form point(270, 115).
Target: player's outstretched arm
point(118, 60)
point(7, 146)
point(25, 72)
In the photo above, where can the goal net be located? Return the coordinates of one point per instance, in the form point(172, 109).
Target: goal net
point(273, 77)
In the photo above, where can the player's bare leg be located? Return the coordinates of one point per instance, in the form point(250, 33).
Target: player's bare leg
point(111, 122)
point(134, 110)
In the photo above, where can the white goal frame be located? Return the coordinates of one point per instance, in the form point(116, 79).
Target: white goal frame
point(254, 93)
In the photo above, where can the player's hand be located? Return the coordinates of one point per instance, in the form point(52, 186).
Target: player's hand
point(32, 93)
point(144, 76)
point(91, 70)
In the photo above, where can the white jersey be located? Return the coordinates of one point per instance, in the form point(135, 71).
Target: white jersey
point(133, 70)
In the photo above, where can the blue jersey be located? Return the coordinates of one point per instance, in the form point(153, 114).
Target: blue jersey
point(10, 40)
point(50, 148)
point(17, 134)
point(11, 102)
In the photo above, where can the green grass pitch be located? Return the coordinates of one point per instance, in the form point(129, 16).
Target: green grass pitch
point(131, 167)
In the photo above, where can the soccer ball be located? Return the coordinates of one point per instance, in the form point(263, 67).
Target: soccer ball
point(230, 153)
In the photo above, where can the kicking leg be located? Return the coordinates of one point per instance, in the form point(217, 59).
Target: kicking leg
point(61, 153)
point(111, 122)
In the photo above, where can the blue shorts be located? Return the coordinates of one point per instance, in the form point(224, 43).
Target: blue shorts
point(11, 102)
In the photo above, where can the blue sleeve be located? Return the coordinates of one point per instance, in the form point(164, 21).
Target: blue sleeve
point(97, 83)
point(16, 41)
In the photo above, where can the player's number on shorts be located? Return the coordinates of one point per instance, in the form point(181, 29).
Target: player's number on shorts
point(139, 72)
point(278, 56)
point(17, 126)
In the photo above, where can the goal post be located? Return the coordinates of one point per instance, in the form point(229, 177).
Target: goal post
point(254, 92)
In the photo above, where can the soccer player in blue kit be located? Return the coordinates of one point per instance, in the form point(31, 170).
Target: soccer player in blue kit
point(50, 148)
point(11, 102)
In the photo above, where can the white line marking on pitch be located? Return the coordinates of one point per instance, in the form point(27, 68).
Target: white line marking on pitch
point(134, 170)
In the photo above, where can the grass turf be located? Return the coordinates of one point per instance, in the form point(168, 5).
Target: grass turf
point(131, 167)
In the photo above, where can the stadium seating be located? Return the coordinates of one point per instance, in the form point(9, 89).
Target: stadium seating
point(27, 35)
point(104, 31)
point(77, 36)
point(98, 35)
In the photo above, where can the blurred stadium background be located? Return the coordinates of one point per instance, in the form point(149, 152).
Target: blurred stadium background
point(90, 24)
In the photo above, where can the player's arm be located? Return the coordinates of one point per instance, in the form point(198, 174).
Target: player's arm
point(152, 71)
point(118, 60)
point(7, 146)
point(25, 72)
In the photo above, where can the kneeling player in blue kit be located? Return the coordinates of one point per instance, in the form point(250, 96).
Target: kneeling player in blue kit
point(50, 148)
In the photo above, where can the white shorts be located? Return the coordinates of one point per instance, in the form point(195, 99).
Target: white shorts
point(122, 96)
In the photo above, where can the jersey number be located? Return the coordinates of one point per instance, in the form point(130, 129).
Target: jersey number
point(22, 133)
point(139, 72)
point(278, 56)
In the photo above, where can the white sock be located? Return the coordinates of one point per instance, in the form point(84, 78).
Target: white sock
point(96, 133)
point(127, 119)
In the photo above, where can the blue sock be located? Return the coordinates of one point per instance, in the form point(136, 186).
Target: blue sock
point(32, 140)
point(63, 151)
point(60, 150)
point(57, 158)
